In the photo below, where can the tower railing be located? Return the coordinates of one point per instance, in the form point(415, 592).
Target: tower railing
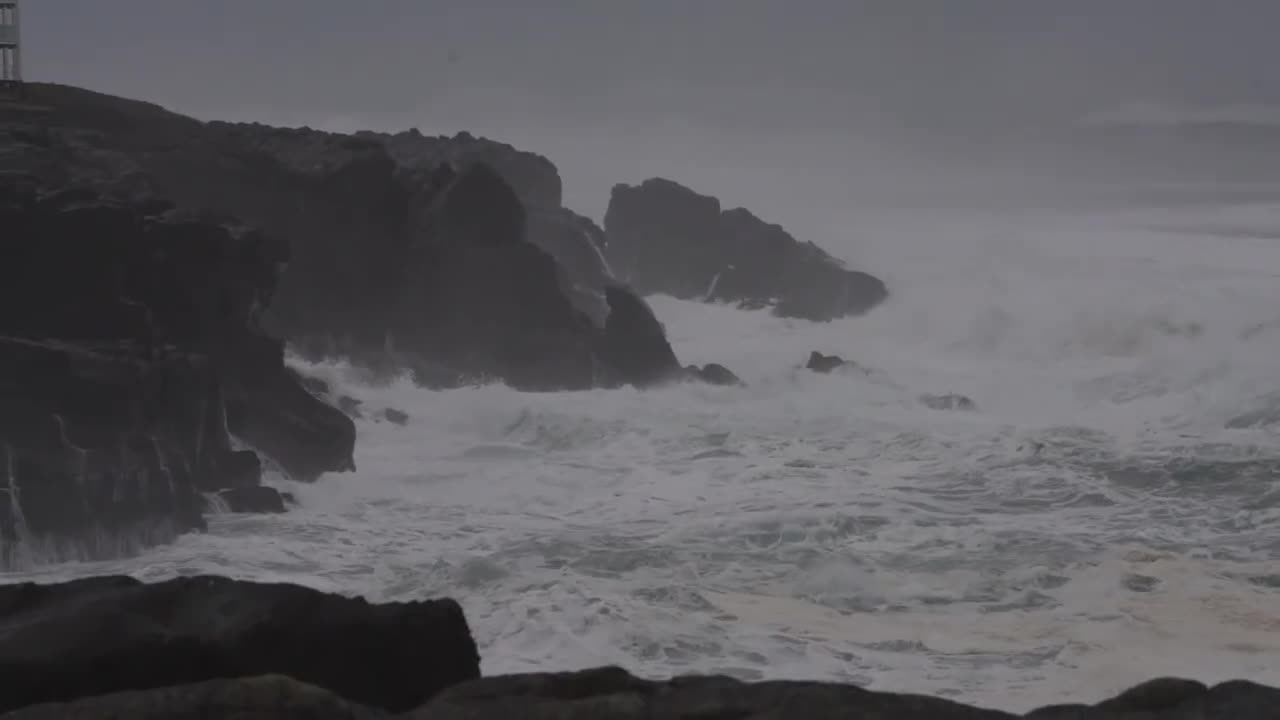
point(10, 48)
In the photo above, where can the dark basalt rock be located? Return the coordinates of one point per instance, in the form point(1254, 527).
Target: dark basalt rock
point(634, 344)
point(129, 346)
point(277, 697)
point(664, 238)
point(610, 693)
point(105, 450)
point(236, 469)
point(259, 499)
point(107, 634)
point(714, 374)
point(305, 436)
point(404, 251)
point(578, 245)
point(613, 694)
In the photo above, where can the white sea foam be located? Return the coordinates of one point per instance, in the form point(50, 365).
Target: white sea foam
point(1092, 524)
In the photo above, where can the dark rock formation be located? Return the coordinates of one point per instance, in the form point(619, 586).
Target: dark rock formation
point(129, 347)
point(106, 449)
point(634, 343)
point(257, 499)
point(713, 374)
point(108, 634)
point(449, 256)
point(949, 401)
point(820, 363)
point(277, 697)
point(613, 694)
point(610, 693)
point(270, 410)
point(664, 238)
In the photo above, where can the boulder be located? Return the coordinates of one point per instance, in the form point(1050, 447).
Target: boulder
point(264, 696)
point(100, 635)
point(610, 693)
point(662, 237)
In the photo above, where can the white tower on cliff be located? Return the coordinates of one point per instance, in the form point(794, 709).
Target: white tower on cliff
point(10, 49)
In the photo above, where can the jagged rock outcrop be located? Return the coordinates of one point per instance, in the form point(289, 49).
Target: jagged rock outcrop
point(262, 697)
point(101, 635)
point(436, 254)
point(130, 357)
point(105, 450)
point(665, 238)
point(573, 240)
point(634, 343)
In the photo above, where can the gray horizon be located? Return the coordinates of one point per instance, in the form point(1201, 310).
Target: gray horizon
point(598, 86)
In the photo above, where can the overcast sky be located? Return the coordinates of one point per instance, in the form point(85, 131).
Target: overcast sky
point(549, 73)
point(827, 63)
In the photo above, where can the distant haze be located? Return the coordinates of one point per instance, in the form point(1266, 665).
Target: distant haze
point(703, 90)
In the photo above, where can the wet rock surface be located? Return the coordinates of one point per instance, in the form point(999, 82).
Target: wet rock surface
point(102, 635)
point(662, 237)
point(131, 362)
point(610, 693)
point(449, 256)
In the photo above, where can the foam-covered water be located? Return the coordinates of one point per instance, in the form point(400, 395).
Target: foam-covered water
point(1092, 524)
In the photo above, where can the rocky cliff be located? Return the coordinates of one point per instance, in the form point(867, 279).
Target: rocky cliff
point(153, 267)
point(451, 254)
point(665, 238)
point(134, 372)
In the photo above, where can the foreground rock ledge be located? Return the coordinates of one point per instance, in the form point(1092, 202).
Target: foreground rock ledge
point(103, 635)
point(613, 694)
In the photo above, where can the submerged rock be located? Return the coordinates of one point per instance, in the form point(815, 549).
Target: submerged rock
point(949, 401)
point(820, 363)
point(101, 635)
point(662, 237)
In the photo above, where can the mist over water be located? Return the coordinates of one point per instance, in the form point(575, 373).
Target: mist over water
point(1094, 523)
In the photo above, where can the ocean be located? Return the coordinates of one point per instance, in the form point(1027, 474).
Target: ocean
point(1109, 512)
